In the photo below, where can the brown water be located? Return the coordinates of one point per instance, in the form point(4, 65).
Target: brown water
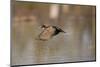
point(78, 44)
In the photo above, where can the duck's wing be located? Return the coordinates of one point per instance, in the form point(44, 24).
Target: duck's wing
point(46, 33)
point(59, 29)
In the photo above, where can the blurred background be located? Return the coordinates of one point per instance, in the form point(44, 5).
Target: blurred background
point(78, 44)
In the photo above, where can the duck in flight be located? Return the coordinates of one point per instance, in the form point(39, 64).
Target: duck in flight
point(49, 31)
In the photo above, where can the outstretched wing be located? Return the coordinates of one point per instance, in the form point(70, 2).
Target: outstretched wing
point(46, 33)
point(59, 29)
